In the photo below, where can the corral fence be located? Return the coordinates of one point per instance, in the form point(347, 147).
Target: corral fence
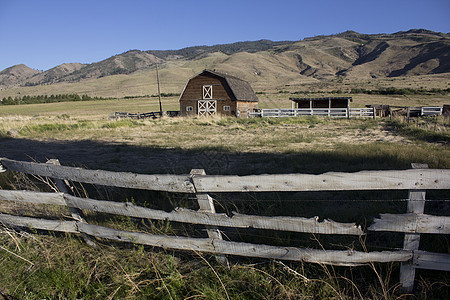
point(138, 116)
point(154, 114)
point(412, 223)
point(395, 110)
point(324, 112)
point(372, 111)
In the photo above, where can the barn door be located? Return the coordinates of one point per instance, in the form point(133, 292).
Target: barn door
point(207, 108)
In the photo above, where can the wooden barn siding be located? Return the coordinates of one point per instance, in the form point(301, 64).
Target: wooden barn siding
point(194, 92)
point(245, 106)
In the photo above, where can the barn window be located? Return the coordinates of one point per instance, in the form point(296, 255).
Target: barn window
point(226, 108)
point(207, 92)
point(189, 108)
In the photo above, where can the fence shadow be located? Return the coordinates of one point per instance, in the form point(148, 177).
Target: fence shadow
point(154, 160)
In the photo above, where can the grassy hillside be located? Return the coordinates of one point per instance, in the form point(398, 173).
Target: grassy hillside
point(323, 62)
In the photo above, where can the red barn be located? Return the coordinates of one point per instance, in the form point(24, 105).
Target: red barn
point(211, 93)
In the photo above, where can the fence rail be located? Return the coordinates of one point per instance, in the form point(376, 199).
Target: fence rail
point(413, 223)
point(329, 112)
point(153, 114)
point(124, 115)
point(431, 111)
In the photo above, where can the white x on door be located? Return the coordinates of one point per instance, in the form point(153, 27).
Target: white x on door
point(207, 92)
point(207, 108)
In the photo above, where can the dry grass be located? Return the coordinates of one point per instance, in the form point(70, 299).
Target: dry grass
point(37, 266)
point(245, 135)
point(237, 145)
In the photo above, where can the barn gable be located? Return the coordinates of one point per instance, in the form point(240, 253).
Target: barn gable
point(212, 93)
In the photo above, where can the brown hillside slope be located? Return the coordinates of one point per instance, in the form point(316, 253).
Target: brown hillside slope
point(266, 65)
point(125, 63)
point(54, 75)
point(16, 75)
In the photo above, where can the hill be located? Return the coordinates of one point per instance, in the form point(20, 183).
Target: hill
point(54, 75)
point(16, 75)
point(266, 64)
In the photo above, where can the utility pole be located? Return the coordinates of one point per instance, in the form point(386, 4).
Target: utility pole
point(159, 91)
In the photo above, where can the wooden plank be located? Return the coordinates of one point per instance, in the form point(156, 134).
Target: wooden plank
point(432, 261)
point(333, 257)
point(412, 223)
point(206, 204)
point(64, 187)
point(342, 258)
point(163, 241)
point(294, 224)
point(364, 180)
point(33, 197)
point(52, 225)
point(333, 181)
point(165, 182)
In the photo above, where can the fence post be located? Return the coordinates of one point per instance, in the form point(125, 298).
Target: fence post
point(63, 186)
point(416, 205)
point(408, 113)
point(205, 202)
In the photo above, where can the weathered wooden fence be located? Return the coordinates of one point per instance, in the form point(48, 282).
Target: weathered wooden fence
point(327, 112)
point(125, 115)
point(154, 114)
point(413, 223)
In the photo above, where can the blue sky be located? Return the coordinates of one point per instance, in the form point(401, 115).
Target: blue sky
point(45, 33)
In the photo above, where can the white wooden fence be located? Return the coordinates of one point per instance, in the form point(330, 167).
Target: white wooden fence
point(431, 111)
point(327, 112)
point(413, 223)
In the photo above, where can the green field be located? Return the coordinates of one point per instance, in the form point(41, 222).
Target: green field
point(89, 109)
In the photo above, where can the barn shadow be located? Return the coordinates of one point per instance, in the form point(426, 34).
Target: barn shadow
point(153, 160)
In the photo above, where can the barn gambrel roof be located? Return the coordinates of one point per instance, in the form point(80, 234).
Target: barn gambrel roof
point(241, 89)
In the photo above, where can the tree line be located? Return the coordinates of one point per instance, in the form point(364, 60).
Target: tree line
point(47, 99)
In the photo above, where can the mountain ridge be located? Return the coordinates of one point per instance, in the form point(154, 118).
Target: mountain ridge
point(347, 54)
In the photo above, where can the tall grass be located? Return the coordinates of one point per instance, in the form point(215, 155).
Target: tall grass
point(430, 130)
point(63, 266)
point(48, 127)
